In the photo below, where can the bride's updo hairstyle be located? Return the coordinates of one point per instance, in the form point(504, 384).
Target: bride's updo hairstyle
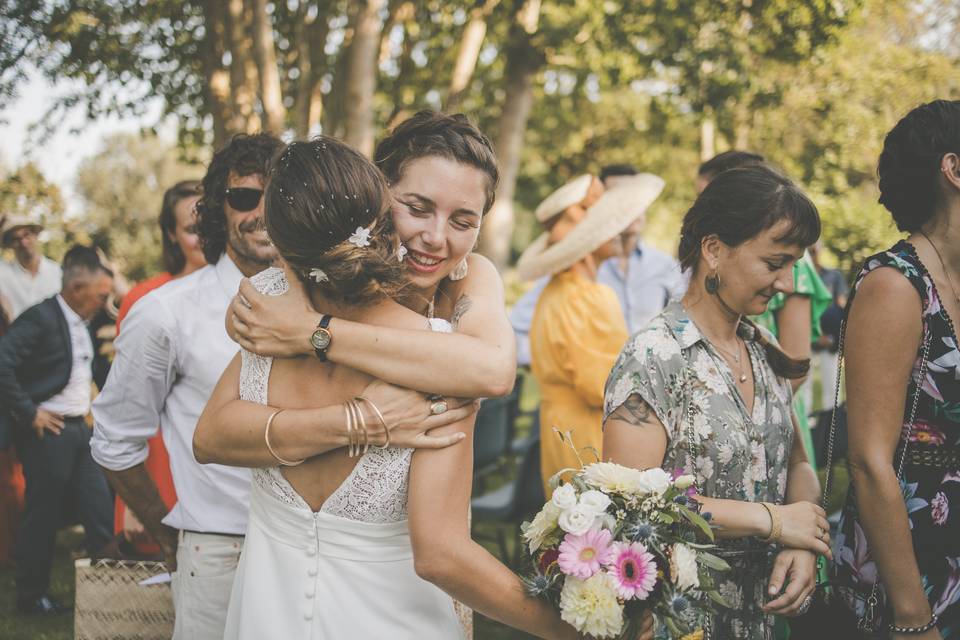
point(326, 210)
point(429, 133)
point(738, 205)
point(910, 161)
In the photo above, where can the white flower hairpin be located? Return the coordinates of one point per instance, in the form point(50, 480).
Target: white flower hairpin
point(360, 237)
point(319, 276)
point(401, 252)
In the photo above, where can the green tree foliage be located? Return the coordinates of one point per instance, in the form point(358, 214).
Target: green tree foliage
point(122, 186)
point(658, 83)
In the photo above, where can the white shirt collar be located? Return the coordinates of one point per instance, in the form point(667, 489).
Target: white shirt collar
point(72, 316)
point(228, 275)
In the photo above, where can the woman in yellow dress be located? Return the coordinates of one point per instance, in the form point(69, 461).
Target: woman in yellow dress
point(578, 326)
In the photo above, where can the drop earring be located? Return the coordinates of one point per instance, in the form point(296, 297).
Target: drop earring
point(460, 271)
point(712, 283)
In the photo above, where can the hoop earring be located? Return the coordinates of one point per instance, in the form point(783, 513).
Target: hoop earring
point(460, 271)
point(712, 283)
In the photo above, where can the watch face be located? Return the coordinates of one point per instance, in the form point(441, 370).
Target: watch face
point(320, 339)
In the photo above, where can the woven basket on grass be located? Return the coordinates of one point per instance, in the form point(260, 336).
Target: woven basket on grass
point(111, 603)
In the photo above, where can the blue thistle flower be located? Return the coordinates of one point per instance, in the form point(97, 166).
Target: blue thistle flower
point(679, 604)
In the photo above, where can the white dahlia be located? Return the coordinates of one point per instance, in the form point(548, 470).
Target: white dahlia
point(683, 566)
point(591, 605)
point(612, 478)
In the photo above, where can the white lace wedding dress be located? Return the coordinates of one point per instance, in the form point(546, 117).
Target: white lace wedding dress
point(343, 572)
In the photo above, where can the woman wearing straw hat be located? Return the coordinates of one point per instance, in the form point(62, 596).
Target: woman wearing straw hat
point(578, 327)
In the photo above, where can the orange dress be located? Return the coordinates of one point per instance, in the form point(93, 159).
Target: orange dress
point(12, 486)
point(576, 335)
point(158, 461)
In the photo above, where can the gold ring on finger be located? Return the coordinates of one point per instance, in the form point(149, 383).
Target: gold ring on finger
point(437, 405)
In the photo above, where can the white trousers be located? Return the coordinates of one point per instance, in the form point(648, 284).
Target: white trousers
point(202, 582)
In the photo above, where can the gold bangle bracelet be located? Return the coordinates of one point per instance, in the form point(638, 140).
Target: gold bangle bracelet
point(776, 522)
point(349, 414)
point(383, 423)
point(266, 441)
point(354, 449)
point(363, 426)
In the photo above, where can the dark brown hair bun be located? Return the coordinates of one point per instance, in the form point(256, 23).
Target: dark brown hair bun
point(320, 194)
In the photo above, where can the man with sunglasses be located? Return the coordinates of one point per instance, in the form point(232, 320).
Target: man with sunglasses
point(169, 357)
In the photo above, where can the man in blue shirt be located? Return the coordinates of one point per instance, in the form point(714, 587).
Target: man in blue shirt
point(644, 278)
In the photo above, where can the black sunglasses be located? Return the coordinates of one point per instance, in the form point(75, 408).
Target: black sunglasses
point(243, 198)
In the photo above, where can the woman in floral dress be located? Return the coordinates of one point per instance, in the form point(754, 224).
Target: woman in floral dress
point(705, 391)
point(905, 298)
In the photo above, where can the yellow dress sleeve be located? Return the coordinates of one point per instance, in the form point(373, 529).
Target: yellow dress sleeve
point(594, 332)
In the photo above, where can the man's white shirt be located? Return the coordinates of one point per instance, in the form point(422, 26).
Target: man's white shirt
point(21, 289)
point(169, 357)
point(74, 399)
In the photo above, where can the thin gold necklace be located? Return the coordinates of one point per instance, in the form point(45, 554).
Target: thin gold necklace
point(736, 357)
point(943, 265)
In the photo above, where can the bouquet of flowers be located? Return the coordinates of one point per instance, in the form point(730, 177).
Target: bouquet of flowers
point(615, 541)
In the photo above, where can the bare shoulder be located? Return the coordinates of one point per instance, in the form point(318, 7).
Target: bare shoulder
point(886, 290)
point(482, 277)
point(482, 280)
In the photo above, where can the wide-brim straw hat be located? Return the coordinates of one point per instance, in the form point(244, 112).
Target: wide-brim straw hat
point(566, 196)
point(19, 222)
point(610, 215)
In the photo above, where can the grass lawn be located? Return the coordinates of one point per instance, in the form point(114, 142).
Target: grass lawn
point(16, 627)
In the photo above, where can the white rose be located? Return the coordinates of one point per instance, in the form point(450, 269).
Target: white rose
point(596, 501)
point(564, 497)
point(605, 521)
point(684, 482)
point(543, 525)
point(577, 520)
point(654, 480)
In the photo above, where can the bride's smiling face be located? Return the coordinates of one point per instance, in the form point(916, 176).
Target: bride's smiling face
point(437, 209)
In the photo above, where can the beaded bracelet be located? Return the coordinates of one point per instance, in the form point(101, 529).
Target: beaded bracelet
point(913, 631)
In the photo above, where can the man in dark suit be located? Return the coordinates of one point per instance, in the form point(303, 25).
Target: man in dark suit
point(45, 388)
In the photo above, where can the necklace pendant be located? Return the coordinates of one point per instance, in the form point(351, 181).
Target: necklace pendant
point(743, 377)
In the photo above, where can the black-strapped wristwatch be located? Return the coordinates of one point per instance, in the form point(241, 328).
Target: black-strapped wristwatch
point(321, 338)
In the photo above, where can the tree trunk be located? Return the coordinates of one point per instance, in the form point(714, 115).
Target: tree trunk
point(274, 113)
point(523, 61)
point(217, 79)
point(470, 45)
point(398, 11)
point(362, 77)
point(708, 136)
point(334, 113)
point(242, 91)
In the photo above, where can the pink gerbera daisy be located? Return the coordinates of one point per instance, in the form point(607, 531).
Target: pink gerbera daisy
point(582, 556)
point(634, 569)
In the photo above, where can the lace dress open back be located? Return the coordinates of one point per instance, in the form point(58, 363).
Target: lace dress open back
point(345, 571)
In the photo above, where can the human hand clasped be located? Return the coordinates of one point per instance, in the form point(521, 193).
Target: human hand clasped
point(410, 415)
point(804, 526)
point(272, 326)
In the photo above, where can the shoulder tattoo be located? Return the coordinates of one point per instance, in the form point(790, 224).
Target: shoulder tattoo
point(635, 411)
point(459, 309)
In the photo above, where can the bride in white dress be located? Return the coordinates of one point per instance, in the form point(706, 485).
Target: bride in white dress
point(339, 547)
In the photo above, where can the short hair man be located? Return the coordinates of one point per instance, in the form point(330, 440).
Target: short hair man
point(725, 161)
point(45, 382)
point(169, 356)
point(30, 277)
point(644, 278)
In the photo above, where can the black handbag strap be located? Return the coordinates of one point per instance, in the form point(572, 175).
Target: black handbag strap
point(831, 438)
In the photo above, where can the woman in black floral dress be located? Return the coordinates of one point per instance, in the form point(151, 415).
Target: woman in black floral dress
point(905, 297)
